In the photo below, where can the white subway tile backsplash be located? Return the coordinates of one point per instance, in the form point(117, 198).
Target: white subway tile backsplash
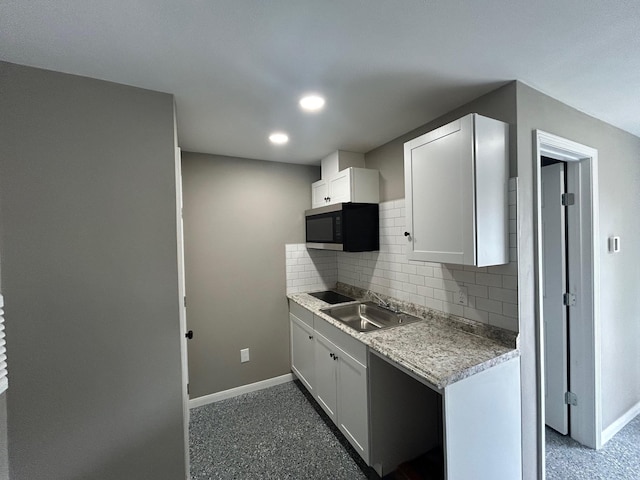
point(475, 314)
point(433, 303)
point(510, 282)
point(510, 310)
point(453, 309)
point(451, 285)
point(434, 282)
point(410, 269)
point(501, 321)
point(442, 295)
point(402, 277)
point(488, 305)
point(510, 268)
point(489, 279)
point(477, 290)
point(425, 271)
point(308, 270)
point(503, 295)
point(425, 292)
point(464, 276)
point(492, 292)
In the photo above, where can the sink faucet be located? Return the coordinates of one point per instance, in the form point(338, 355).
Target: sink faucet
point(381, 302)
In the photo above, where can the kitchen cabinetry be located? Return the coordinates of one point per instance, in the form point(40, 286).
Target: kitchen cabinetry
point(302, 351)
point(341, 379)
point(411, 396)
point(472, 424)
point(456, 193)
point(327, 386)
point(333, 367)
point(341, 388)
point(350, 185)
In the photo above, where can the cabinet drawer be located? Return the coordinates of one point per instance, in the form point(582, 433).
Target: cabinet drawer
point(301, 313)
point(346, 342)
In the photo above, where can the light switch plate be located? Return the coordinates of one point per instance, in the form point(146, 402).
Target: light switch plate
point(614, 244)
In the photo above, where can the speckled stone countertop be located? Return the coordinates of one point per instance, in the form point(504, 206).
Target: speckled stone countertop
point(434, 349)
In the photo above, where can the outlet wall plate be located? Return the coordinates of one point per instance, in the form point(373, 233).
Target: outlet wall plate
point(460, 297)
point(244, 355)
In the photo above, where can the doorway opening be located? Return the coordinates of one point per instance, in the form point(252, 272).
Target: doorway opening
point(570, 292)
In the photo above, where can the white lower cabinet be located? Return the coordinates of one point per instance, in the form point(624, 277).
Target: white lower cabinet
point(353, 411)
point(341, 389)
point(302, 352)
point(332, 365)
point(327, 373)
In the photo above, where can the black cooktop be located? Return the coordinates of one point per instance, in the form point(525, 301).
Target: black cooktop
point(331, 297)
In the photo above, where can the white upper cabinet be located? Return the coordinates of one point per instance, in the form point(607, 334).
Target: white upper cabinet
point(456, 193)
point(349, 185)
point(319, 193)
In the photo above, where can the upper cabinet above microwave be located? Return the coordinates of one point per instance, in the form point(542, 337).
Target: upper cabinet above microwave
point(349, 185)
point(456, 193)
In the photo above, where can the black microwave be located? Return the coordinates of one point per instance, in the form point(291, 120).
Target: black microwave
point(349, 227)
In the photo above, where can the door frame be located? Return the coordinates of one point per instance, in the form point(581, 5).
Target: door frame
point(182, 307)
point(584, 269)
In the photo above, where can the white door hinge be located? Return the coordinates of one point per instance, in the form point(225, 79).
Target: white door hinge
point(569, 299)
point(568, 199)
point(571, 398)
point(184, 300)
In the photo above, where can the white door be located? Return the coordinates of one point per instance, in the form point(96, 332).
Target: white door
point(554, 281)
point(182, 311)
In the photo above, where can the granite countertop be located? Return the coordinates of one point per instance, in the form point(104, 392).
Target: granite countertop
point(433, 348)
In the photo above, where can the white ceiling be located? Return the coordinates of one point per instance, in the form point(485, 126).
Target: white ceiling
point(238, 67)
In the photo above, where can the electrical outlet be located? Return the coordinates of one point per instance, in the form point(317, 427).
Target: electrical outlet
point(244, 355)
point(460, 296)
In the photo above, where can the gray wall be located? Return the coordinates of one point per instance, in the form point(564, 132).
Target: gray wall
point(238, 215)
point(619, 184)
point(389, 158)
point(89, 275)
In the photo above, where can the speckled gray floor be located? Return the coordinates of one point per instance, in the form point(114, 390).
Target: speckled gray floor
point(618, 459)
point(270, 434)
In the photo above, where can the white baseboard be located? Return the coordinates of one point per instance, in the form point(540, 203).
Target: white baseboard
point(620, 423)
point(234, 392)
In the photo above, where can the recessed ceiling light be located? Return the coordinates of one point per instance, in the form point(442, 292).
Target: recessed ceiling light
point(279, 138)
point(312, 103)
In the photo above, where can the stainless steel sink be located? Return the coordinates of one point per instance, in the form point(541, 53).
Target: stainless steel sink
point(368, 317)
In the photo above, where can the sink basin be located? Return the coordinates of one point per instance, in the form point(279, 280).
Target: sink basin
point(368, 317)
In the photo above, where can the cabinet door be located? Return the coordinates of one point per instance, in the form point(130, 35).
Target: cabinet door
point(302, 352)
point(319, 193)
point(326, 377)
point(353, 418)
point(340, 187)
point(439, 194)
